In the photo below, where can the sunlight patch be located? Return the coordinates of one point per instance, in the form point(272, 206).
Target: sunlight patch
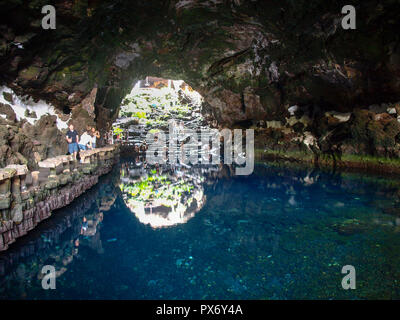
point(21, 105)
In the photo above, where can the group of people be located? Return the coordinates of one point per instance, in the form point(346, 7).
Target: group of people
point(178, 127)
point(140, 148)
point(86, 141)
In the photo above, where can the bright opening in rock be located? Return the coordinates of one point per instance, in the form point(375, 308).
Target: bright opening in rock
point(160, 196)
point(152, 104)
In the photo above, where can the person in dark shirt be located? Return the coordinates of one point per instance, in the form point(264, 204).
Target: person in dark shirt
point(73, 140)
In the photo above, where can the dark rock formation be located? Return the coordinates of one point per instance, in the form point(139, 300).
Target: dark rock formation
point(251, 61)
point(24, 143)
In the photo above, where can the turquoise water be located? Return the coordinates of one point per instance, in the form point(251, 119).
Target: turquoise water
point(201, 233)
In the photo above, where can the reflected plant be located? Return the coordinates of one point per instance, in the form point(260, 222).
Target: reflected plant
point(155, 186)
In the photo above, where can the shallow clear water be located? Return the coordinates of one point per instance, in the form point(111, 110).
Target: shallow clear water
point(277, 234)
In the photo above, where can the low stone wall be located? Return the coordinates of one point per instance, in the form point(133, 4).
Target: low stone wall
point(26, 198)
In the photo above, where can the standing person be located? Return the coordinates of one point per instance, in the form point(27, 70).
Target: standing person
point(72, 139)
point(85, 142)
point(182, 135)
point(95, 136)
point(107, 137)
point(110, 137)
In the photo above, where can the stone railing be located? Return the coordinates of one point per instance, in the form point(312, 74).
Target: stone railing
point(26, 198)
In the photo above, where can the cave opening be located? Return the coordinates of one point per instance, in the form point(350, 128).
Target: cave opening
point(158, 196)
point(152, 105)
point(315, 191)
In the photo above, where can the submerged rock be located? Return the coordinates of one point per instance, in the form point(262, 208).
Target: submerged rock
point(392, 211)
point(350, 227)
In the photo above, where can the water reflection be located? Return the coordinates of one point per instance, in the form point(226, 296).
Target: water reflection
point(277, 234)
point(57, 241)
point(164, 195)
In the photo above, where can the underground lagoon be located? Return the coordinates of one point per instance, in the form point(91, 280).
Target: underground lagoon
point(206, 150)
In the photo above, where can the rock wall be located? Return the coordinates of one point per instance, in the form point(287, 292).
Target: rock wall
point(26, 198)
point(29, 131)
point(251, 60)
point(362, 132)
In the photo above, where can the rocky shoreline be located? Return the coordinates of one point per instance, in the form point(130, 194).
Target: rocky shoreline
point(370, 165)
point(27, 198)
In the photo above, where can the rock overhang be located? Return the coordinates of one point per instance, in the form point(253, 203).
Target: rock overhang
point(250, 60)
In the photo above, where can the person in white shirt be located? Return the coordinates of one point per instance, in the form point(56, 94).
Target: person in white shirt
point(95, 135)
point(85, 142)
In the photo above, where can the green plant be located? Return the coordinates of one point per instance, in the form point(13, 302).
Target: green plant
point(117, 130)
point(140, 115)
